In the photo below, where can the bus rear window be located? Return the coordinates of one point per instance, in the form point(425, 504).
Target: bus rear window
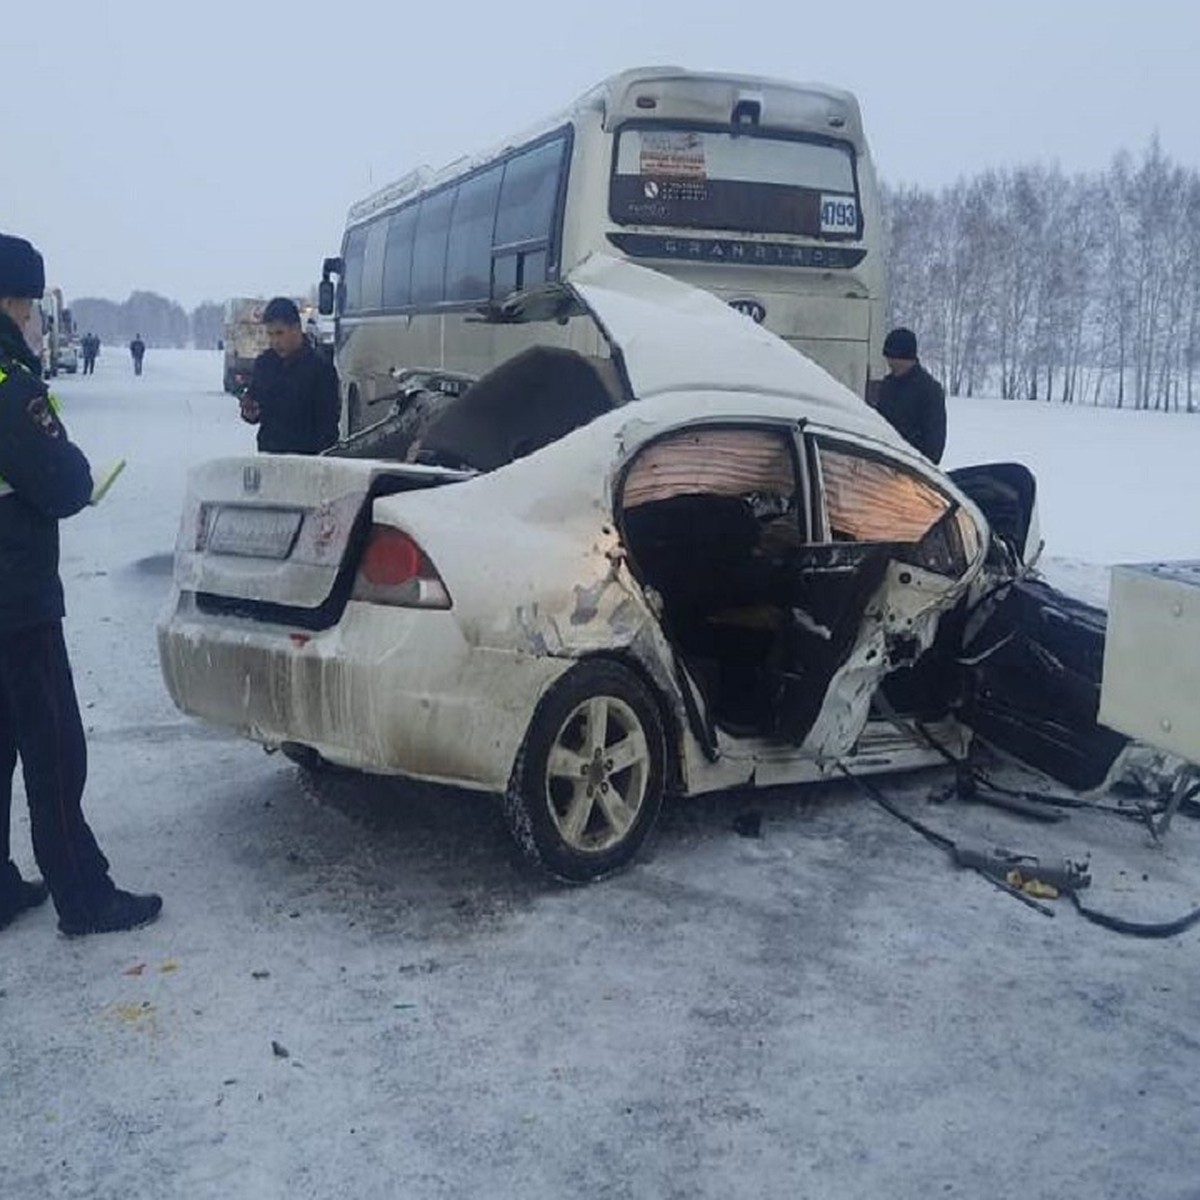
point(748, 183)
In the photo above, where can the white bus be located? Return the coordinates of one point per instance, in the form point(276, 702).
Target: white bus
point(761, 191)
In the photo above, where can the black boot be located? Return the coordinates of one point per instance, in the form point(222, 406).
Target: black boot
point(115, 912)
point(15, 900)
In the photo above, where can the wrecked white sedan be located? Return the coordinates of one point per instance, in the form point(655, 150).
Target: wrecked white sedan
point(689, 563)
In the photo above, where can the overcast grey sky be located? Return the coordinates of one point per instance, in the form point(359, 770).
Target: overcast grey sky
point(211, 149)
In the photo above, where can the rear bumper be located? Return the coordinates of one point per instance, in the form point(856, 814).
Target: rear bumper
point(388, 690)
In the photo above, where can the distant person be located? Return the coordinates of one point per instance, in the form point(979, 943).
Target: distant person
point(293, 392)
point(91, 347)
point(137, 348)
point(43, 478)
point(910, 399)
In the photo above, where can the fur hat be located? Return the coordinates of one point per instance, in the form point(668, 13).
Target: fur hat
point(22, 274)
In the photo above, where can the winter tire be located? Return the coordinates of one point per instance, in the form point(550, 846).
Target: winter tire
point(587, 785)
point(307, 758)
point(354, 412)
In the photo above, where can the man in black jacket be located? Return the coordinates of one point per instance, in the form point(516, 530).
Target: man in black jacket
point(293, 392)
point(43, 478)
point(910, 399)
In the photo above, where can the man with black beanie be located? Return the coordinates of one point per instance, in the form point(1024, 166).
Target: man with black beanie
point(43, 478)
point(910, 399)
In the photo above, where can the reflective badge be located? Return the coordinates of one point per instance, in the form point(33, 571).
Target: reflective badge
point(41, 414)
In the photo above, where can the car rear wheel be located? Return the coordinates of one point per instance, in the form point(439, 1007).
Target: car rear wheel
point(588, 783)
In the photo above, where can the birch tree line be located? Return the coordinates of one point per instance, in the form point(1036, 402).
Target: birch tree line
point(1032, 284)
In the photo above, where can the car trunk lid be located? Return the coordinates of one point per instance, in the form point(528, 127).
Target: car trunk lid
point(276, 536)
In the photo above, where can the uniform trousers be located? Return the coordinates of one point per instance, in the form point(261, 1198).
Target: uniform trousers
point(40, 725)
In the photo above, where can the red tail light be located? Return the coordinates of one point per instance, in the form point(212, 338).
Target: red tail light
point(395, 570)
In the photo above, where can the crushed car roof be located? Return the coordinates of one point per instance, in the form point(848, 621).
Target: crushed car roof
point(673, 337)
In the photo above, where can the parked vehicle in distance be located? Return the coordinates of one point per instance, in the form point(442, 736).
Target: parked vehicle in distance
point(68, 357)
point(35, 334)
point(702, 564)
point(760, 191)
point(51, 334)
point(243, 338)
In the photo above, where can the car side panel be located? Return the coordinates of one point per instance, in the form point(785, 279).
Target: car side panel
point(388, 690)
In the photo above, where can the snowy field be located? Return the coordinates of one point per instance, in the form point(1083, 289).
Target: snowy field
point(827, 1011)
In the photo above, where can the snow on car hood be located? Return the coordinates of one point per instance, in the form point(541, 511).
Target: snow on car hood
point(675, 337)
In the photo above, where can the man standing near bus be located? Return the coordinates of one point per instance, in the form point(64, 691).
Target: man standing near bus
point(293, 392)
point(910, 399)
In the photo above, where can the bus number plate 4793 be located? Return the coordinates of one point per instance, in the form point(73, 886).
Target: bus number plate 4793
point(839, 214)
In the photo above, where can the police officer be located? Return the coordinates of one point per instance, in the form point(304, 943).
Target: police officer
point(43, 478)
point(910, 399)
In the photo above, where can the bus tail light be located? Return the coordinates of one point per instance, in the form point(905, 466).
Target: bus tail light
point(395, 570)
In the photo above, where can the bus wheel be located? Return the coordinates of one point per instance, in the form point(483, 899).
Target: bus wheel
point(354, 415)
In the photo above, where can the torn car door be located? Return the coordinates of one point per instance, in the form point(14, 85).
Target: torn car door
point(709, 514)
point(1031, 683)
point(890, 554)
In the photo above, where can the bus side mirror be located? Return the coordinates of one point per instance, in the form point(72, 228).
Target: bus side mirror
point(326, 296)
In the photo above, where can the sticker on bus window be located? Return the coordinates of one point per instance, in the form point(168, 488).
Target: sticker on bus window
point(839, 214)
point(676, 154)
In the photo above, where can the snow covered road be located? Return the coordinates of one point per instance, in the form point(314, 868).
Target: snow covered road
point(352, 992)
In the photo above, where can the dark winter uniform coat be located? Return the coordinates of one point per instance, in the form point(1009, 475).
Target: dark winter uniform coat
point(914, 404)
point(297, 400)
point(43, 477)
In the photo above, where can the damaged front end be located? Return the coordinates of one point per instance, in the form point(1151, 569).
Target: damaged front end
point(1031, 672)
point(1022, 660)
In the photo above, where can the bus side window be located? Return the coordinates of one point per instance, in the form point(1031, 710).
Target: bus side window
point(469, 254)
point(504, 275)
point(373, 263)
point(533, 268)
point(525, 217)
point(398, 258)
point(429, 250)
point(356, 247)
